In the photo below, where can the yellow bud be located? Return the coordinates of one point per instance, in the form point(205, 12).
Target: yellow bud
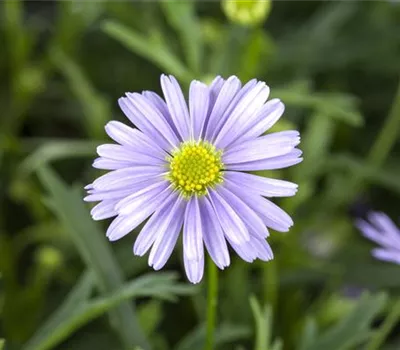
point(246, 12)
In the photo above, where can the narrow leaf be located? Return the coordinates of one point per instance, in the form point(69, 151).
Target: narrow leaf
point(353, 329)
point(151, 48)
point(181, 16)
point(67, 204)
point(56, 150)
point(156, 285)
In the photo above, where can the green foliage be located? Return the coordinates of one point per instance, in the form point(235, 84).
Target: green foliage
point(63, 65)
point(158, 51)
point(92, 246)
point(263, 319)
point(78, 311)
point(352, 330)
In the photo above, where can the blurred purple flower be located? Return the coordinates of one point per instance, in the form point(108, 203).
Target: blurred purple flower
point(185, 166)
point(382, 230)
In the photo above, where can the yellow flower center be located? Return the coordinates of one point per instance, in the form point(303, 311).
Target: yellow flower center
point(194, 167)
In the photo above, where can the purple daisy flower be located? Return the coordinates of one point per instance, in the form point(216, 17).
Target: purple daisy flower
point(382, 230)
point(185, 167)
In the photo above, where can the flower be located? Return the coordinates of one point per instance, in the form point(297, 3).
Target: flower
point(246, 12)
point(187, 167)
point(382, 230)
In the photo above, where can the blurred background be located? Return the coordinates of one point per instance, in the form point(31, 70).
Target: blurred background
point(63, 65)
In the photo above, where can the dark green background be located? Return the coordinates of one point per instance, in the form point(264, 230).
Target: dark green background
point(63, 64)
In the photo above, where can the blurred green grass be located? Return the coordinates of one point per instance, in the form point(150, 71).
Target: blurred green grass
point(63, 64)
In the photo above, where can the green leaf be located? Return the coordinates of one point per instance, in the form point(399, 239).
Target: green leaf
point(150, 315)
point(156, 285)
point(181, 16)
point(19, 39)
point(68, 206)
point(372, 274)
point(337, 106)
point(353, 329)
point(96, 109)
point(381, 334)
point(224, 334)
point(151, 47)
point(78, 295)
point(309, 333)
point(315, 143)
point(56, 150)
point(352, 165)
point(256, 52)
point(277, 345)
point(264, 320)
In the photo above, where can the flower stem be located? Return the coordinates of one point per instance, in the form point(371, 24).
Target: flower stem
point(380, 149)
point(270, 283)
point(391, 320)
point(388, 134)
point(212, 298)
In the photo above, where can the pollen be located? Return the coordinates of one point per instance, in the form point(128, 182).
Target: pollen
point(194, 167)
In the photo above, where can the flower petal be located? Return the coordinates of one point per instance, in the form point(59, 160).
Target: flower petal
point(225, 97)
point(192, 231)
point(166, 239)
point(272, 216)
point(104, 210)
point(157, 224)
point(133, 138)
point(176, 105)
point(279, 162)
point(386, 255)
point(265, 147)
point(249, 217)
point(125, 154)
point(143, 123)
point(194, 269)
point(264, 119)
point(134, 202)
point(231, 107)
point(246, 107)
point(160, 104)
point(213, 235)
point(233, 226)
point(95, 196)
point(244, 250)
point(146, 111)
point(126, 177)
point(262, 185)
point(375, 235)
point(198, 107)
point(263, 249)
point(124, 224)
point(109, 164)
point(385, 224)
point(193, 250)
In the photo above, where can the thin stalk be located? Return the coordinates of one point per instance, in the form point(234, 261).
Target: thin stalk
point(270, 283)
point(381, 334)
point(380, 149)
point(387, 136)
point(212, 299)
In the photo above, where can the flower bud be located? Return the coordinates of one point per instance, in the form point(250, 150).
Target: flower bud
point(246, 12)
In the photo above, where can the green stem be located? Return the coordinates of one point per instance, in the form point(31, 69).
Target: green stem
point(380, 149)
point(270, 283)
point(212, 299)
point(387, 136)
point(391, 320)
